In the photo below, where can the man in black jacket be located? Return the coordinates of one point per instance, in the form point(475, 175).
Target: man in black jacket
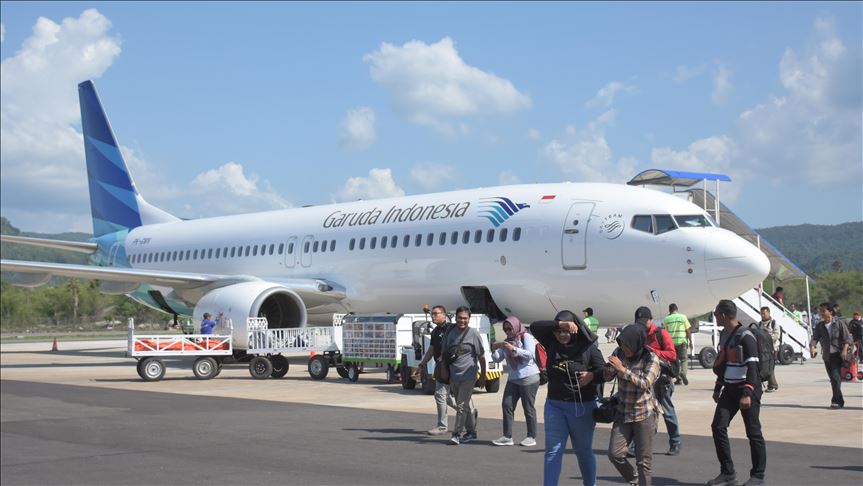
point(832, 333)
point(738, 387)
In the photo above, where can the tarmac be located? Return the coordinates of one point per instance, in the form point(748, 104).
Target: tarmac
point(82, 415)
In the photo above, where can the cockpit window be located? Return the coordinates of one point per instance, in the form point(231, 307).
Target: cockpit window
point(692, 221)
point(664, 223)
point(643, 223)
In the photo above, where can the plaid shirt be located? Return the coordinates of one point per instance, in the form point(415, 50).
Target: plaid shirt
point(636, 397)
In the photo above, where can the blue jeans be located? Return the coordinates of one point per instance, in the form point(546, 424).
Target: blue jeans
point(573, 420)
point(664, 389)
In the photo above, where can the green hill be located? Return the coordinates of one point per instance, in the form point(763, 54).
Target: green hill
point(34, 253)
point(820, 248)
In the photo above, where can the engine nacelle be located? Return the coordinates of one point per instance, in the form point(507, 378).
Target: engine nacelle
point(280, 305)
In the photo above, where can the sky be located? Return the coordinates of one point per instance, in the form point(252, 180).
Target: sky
point(225, 108)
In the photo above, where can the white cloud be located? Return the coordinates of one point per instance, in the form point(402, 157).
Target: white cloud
point(507, 178)
point(722, 86)
point(715, 154)
point(534, 134)
point(358, 129)
point(227, 190)
point(811, 133)
point(42, 153)
point(431, 85)
point(605, 95)
point(432, 176)
point(379, 184)
point(684, 73)
point(586, 154)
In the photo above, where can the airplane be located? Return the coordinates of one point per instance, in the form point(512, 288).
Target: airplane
point(528, 250)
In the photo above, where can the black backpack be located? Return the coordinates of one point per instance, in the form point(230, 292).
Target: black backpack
point(766, 356)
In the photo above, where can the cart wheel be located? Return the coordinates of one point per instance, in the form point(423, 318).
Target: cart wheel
point(706, 357)
point(428, 382)
point(391, 375)
point(205, 368)
point(408, 381)
point(153, 369)
point(353, 372)
point(280, 366)
point(319, 366)
point(139, 367)
point(492, 386)
point(260, 367)
point(342, 371)
point(218, 368)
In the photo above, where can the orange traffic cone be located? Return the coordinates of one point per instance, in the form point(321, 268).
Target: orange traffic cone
point(54, 345)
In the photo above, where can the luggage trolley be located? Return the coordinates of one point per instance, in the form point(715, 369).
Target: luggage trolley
point(149, 349)
point(268, 345)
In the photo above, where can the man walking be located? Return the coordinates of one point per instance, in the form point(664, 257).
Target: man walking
point(591, 322)
point(832, 333)
point(772, 327)
point(462, 347)
point(737, 387)
point(679, 328)
point(855, 327)
point(659, 341)
point(442, 396)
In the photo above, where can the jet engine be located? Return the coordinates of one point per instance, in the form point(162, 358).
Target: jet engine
point(281, 306)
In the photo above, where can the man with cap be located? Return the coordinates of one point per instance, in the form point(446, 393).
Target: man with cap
point(591, 322)
point(660, 342)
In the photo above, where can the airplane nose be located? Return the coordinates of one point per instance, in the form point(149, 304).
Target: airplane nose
point(733, 265)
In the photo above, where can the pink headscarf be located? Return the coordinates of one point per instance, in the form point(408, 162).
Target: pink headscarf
point(517, 340)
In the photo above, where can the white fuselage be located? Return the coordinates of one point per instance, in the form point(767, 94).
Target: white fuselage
point(575, 249)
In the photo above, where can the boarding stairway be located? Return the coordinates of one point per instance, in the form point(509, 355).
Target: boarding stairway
point(794, 335)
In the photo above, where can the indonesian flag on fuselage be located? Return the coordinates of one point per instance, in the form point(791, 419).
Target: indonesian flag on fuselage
point(547, 198)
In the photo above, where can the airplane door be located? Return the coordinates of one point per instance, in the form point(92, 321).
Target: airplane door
point(574, 242)
point(291, 251)
point(306, 249)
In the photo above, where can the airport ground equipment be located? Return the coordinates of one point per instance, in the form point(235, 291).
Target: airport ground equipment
point(268, 346)
point(415, 338)
point(150, 349)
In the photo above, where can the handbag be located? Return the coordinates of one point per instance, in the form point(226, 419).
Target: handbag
point(607, 408)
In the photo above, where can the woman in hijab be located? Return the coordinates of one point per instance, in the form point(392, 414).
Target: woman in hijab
point(522, 381)
point(636, 368)
point(574, 369)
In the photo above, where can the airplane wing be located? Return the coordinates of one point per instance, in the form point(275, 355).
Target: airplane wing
point(33, 274)
point(76, 246)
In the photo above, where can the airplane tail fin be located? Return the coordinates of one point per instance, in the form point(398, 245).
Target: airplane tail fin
point(114, 201)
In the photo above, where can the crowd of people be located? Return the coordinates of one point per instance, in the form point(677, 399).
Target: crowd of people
point(644, 369)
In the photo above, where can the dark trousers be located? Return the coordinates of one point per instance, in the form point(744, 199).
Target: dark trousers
point(641, 434)
point(511, 394)
point(726, 409)
point(834, 372)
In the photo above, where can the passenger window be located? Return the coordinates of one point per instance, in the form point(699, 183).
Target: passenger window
point(453, 239)
point(333, 245)
point(373, 242)
point(516, 234)
point(210, 253)
point(255, 250)
point(362, 243)
point(272, 248)
point(442, 239)
point(419, 240)
point(306, 246)
point(664, 223)
point(406, 241)
point(430, 239)
point(281, 248)
point(477, 236)
point(315, 247)
point(465, 237)
point(352, 244)
point(503, 233)
point(248, 250)
point(218, 253)
point(323, 246)
point(384, 242)
point(643, 223)
point(394, 241)
point(233, 252)
point(195, 255)
point(489, 237)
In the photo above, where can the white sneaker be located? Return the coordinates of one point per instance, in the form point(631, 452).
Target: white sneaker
point(503, 441)
point(528, 442)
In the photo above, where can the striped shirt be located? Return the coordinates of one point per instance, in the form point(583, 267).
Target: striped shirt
point(676, 324)
point(637, 401)
point(737, 362)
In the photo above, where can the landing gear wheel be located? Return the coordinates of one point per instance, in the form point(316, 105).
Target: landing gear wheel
point(260, 368)
point(319, 366)
point(492, 386)
point(786, 354)
point(706, 357)
point(428, 382)
point(280, 366)
point(152, 369)
point(353, 372)
point(408, 381)
point(205, 368)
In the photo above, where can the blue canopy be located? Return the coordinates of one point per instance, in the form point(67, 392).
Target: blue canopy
point(665, 177)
